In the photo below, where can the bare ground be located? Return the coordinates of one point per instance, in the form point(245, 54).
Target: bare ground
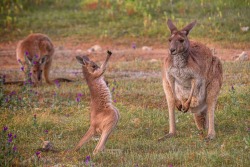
point(66, 51)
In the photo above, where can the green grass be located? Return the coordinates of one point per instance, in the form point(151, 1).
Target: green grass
point(142, 105)
point(218, 20)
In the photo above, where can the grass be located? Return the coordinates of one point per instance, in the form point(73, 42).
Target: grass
point(144, 119)
point(89, 20)
point(53, 113)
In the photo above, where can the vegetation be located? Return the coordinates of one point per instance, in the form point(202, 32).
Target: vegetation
point(60, 114)
point(218, 20)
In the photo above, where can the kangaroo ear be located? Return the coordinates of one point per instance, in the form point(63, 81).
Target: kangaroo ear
point(188, 28)
point(43, 60)
point(171, 26)
point(82, 60)
point(28, 59)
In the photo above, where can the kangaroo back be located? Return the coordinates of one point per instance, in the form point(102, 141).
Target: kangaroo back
point(35, 51)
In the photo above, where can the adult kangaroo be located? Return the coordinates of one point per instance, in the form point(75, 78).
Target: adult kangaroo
point(37, 50)
point(192, 79)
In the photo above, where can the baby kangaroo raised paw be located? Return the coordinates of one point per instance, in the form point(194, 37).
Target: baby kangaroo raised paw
point(109, 53)
point(169, 135)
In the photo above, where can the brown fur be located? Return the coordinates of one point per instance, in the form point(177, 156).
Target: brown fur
point(39, 50)
point(103, 115)
point(192, 79)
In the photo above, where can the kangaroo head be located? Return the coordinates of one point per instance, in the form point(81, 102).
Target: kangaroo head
point(36, 69)
point(87, 65)
point(178, 41)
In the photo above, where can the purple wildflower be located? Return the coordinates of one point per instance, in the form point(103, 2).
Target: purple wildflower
point(87, 160)
point(36, 56)
point(57, 83)
point(30, 74)
point(15, 148)
point(12, 93)
point(30, 82)
point(22, 68)
point(35, 62)
point(38, 154)
point(26, 53)
point(15, 136)
point(79, 95)
point(113, 89)
point(133, 45)
point(7, 100)
point(5, 128)
point(10, 140)
point(170, 165)
point(10, 135)
point(115, 101)
point(78, 99)
point(46, 131)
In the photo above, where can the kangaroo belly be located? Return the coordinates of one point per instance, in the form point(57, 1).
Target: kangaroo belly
point(182, 92)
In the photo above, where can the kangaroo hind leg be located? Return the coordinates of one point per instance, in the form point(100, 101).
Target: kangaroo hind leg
point(90, 133)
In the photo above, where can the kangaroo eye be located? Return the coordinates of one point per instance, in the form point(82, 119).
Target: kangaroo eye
point(169, 39)
point(94, 66)
point(181, 40)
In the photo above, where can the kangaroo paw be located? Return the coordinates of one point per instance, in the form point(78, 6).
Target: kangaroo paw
point(185, 107)
point(178, 105)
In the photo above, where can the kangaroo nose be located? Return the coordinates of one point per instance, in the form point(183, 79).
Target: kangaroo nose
point(172, 50)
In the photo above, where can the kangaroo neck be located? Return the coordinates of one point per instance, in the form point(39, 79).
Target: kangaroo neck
point(180, 60)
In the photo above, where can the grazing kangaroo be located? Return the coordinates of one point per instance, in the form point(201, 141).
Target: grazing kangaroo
point(192, 79)
point(103, 115)
point(37, 50)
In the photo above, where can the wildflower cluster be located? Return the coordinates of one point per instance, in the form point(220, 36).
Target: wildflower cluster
point(78, 97)
point(8, 148)
point(88, 161)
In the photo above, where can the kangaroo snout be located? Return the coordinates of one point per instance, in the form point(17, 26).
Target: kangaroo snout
point(172, 51)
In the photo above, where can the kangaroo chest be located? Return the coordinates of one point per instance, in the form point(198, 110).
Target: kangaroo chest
point(182, 76)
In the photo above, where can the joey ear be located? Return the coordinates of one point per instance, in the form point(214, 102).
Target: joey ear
point(82, 60)
point(85, 58)
point(171, 26)
point(188, 28)
point(79, 59)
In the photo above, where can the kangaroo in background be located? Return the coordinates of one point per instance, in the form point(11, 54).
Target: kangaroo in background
point(103, 115)
point(192, 79)
point(37, 50)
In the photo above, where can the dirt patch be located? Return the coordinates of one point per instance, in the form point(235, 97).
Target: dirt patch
point(66, 51)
